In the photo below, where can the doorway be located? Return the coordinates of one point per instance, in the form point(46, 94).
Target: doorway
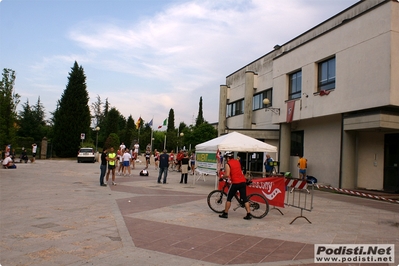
point(391, 162)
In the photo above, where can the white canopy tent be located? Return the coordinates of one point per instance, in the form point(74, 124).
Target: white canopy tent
point(235, 141)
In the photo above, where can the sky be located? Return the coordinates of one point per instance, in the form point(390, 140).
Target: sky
point(146, 56)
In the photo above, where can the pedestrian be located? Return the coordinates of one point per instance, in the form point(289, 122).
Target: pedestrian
point(119, 162)
point(126, 158)
point(156, 158)
point(238, 183)
point(34, 150)
point(268, 167)
point(136, 148)
point(8, 163)
point(172, 160)
point(302, 165)
point(122, 146)
point(192, 163)
point(103, 166)
point(111, 158)
point(24, 155)
point(184, 167)
point(163, 166)
point(179, 157)
point(147, 157)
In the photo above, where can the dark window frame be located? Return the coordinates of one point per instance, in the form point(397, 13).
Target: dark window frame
point(257, 99)
point(297, 143)
point(326, 76)
point(295, 85)
point(235, 108)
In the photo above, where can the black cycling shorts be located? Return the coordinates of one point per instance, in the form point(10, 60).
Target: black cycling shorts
point(242, 188)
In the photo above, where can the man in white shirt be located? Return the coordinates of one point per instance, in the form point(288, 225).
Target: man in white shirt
point(8, 164)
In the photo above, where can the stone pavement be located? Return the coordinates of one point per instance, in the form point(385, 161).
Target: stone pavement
point(53, 212)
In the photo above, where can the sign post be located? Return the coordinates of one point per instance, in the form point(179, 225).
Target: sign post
point(82, 137)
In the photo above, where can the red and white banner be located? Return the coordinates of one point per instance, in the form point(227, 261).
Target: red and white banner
point(290, 111)
point(273, 188)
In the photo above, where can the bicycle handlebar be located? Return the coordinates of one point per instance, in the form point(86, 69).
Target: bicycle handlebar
point(248, 182)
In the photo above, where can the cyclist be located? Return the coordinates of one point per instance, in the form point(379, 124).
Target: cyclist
point(233, 170)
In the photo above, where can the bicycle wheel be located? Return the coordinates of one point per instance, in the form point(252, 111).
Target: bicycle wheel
point(258, 205)
point(217, 200)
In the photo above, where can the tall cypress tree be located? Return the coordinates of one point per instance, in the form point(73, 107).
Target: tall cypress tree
point(73, 115)
point(200, 117)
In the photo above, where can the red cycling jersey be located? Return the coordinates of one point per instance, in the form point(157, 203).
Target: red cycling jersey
point(236, 174)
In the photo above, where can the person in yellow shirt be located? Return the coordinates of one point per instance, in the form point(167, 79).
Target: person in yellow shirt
point(302, 165)
point(111, 158)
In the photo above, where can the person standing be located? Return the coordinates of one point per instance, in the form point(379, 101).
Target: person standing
point(179, 157)
point(238, 183)
point(119, 162)
point(192, 163)
point(136, 148)
point(122, 146)
point(184, 167)
point(302, 165)
point(103, 167)
point(147, 157)
point(172, 160)
point(156, 158)
point(268, 167)
point(34, 150)
point(163, 166)
point(111, 158)
point(126, 158)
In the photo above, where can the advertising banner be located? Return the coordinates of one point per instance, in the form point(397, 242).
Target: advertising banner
point(273, 188)
point(206, 162)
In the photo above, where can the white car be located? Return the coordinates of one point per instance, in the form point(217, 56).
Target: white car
point(86, 155)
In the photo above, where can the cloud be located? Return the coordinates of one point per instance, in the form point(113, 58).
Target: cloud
point(175, 56)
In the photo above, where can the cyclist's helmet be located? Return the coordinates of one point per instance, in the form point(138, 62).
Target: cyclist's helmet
point(229, 154)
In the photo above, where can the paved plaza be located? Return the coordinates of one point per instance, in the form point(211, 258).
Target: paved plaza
point(54, 212)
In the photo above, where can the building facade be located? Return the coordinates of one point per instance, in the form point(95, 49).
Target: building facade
point(333, 97)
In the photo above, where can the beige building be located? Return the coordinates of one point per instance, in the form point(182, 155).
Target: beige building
point(334, 97)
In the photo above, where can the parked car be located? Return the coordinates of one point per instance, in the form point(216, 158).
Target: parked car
point(86, 155)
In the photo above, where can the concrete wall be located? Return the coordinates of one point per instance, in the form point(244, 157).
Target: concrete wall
point(322, 145)
point(371, 160)
point(363, 68)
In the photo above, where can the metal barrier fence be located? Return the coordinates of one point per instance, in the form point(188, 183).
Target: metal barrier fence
point(299, 195)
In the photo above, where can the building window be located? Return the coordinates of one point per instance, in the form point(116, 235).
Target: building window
point(297, 143)
point(326, 79)
point(235, 108)
point(295, 85)
point(257, 101)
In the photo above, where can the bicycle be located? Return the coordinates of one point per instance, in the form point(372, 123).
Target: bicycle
point(217, 198)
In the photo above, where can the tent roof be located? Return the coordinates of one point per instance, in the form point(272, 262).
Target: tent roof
point(235, 141)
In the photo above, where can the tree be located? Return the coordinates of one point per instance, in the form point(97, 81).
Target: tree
point(98, 114)
point(31, 121)
point(129, 132)
point(73, 114)
point(171, 121)
point(200, 117)
point(112, 141)
point(199, 134)
point(9, 101)
point(112, 122)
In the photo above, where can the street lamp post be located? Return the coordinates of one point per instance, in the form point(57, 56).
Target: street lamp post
point(181, 135)
point(97, 129)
